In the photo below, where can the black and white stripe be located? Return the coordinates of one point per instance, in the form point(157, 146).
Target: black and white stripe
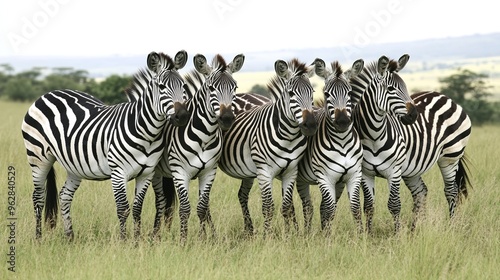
point(94, 141)
point(268, 141)
point(334, 154)
point(193, 151)
point(439, 135)
point(384, 146)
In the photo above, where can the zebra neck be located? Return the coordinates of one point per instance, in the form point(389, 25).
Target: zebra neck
point(202, 118)
point(147, 121)
point(371, 122)
point(283, 116)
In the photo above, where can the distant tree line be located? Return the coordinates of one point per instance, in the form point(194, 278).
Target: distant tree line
point(467, 88)
point(31, 84)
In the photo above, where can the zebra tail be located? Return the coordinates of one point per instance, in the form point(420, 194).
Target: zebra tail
point(51, 201)
point(462, 177)
point(170, 195)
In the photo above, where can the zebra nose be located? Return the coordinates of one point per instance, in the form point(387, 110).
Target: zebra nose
point(342, 120)
point(309, 124)
point(226, 117)
point(180, 116)
point(412, 114)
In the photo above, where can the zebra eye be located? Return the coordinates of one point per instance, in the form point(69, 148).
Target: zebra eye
point(211, 88)
point(162, 86)
point(291, 93)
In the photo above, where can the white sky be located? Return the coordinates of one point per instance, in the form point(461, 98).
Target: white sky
point(100, 27)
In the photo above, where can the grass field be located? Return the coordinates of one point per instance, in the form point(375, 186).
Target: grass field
point(467, 248)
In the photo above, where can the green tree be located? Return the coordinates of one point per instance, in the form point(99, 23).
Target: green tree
point(20, 88)
point(260, 89)
point(469, 89)
point(111, 90)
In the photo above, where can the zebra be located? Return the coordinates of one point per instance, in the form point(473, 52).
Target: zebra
point(268, 141)
point(193, 151)
point(383, 106)
point(439, 135)
point(334, 154)
point(94, 141)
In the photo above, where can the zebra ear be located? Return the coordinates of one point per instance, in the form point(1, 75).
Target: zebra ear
point(180, 59)
point(237, 63)
point(356, 68)
point(281, 68)
point(382, 64)
point(320, 68)
point(200, 64)
point(154, 61)
point(402, 61)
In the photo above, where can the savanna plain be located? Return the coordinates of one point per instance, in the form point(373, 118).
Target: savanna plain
point(466, 248)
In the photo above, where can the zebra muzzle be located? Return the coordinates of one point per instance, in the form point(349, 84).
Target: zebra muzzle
point(412, 114)
point(309, 124)
point(226, 117)
point(180, 116)
point(342, 120)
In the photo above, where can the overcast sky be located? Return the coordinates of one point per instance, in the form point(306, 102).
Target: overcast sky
point(100, 27)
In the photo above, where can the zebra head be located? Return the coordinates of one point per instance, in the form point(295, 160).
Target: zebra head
point(388, 96)
point(396, 83)
point(294, 86)
point(168, 86)
point(337, 91)
point(220, 86)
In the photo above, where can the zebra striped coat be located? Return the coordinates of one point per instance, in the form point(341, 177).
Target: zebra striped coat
point(268, 141)
point(379, 92)
point(94, 141)
point(334, 154)
point(439, 135)
point(193, 151)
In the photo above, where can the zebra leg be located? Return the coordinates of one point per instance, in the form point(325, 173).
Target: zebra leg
point(160, 202)
point(394, 201)
point(205, 181)
point(39, 176)
point(368, 187)
point(118, 182)
point(141, 187)
point(327, 206)
point(287, 209)
point(66, 197)
point(418, 191)
point(245, 187)
point(354, 199)
point(182, 187)
point(451, 188)
point(304, 192)
point(265, 184)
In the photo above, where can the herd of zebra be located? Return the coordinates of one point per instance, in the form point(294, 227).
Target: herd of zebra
point(177, 128)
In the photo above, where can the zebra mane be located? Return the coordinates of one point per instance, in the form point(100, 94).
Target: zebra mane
point(393, 66)
point(298, 68)
point(360, 82)
point(219, 64)
point(336, 69)
point(141, 78)
point(138, 84)
point(194, 81)
point(277, 84)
